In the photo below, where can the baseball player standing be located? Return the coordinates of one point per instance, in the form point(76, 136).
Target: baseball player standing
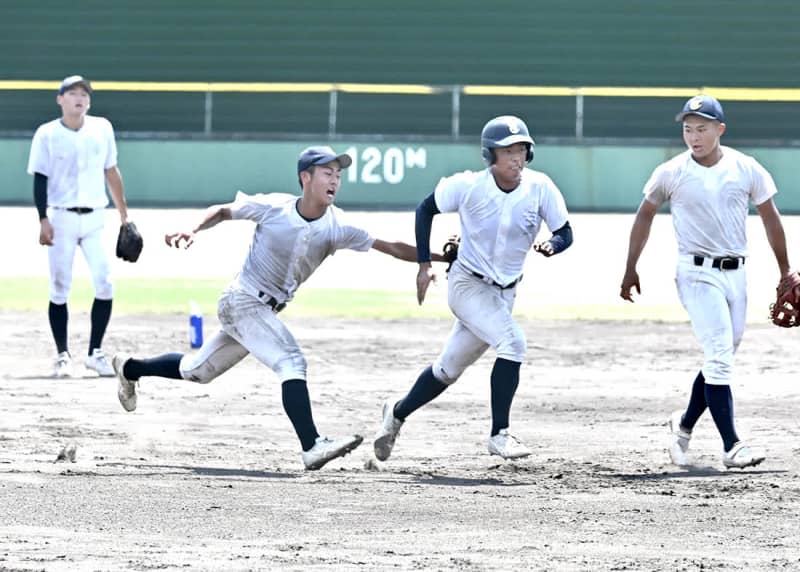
point(292, 238)
point(709, 188)
point(72, 160)
point(501, 210)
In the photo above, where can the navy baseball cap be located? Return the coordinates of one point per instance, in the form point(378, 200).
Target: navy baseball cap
point(72, 81)
point(704, 106)
point(321, 155)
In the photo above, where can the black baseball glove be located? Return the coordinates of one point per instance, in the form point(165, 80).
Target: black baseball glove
point(450, 250)
point(129, 242)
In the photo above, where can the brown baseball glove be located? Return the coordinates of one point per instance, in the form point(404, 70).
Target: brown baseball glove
point(785, 312)
point(450, 250)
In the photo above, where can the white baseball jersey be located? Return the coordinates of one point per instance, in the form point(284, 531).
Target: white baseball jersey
point(709, 205)
point(286, 248)
point(74, 161)
point(499, 228)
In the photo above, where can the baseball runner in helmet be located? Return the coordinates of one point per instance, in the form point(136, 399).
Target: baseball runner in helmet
point(72, 159)
point(501, 209)
point(709, 187)
point(292, 237)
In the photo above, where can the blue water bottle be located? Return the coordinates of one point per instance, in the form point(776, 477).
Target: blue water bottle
point(195, 326)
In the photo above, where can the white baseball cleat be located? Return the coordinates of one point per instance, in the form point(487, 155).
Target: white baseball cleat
point(63, 367)
point(678, 440)
point(388, 432)
point(126, 389)
point(325, 450)
point(505, 445)
point(98, 362)
point(743, 455)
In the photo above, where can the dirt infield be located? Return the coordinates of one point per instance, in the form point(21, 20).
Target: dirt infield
point(209, 477)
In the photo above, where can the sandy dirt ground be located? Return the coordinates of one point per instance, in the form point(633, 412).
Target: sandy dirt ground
point(209, 477)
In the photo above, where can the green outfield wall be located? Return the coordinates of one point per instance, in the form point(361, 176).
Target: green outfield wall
point(383, 176)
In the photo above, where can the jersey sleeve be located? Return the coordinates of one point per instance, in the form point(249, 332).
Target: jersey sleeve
point(656, 189)
point(552, 207)
point(762, 187)
point(252, 207)
point(39, 159)
point(111, 147)
point(354, 238)
point(450, 190)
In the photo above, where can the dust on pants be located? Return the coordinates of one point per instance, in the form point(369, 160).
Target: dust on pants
point(248, 325)
point(483, 320)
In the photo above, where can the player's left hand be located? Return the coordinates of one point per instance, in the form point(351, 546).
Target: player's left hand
point(544, 248)
point(425, 276)
point(174, 239)
point(630, 280)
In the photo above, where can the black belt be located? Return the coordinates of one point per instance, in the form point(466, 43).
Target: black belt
point(79, 210)
point(272, 302)
point(724, 263)
point(493, 283)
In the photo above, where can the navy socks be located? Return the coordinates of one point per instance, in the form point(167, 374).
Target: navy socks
point(504, 379)
point(697, 403)
point(166, 365)
point(424, 390)
point(58, 315)
point(297, 405)
point(101, 314)
point(720, 403)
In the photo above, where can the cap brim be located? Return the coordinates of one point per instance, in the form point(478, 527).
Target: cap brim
point(683, 114)
point(83, 84)
point(343, 159)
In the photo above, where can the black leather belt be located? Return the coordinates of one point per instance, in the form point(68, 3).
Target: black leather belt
point(79, 210)
point(721, 263)
point(493, 283)
point(271, 302)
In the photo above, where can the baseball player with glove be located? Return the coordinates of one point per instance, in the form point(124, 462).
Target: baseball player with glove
point(292, 237)
point(72, 159)
point(709, 188)
point(501, 210)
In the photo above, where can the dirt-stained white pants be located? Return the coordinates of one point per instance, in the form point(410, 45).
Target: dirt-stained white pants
point(483, 320)
point(716, 301)
point(248, 325)
point(70, 231)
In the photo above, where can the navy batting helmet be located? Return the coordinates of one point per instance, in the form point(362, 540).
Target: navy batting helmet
point(504, 131)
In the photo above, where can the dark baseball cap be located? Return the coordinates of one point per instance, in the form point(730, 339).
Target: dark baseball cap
point(319, 156)
point(704, 106)
point(72, 81)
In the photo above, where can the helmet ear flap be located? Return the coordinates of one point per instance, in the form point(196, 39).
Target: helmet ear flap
point(529, 154)
point(488, 155)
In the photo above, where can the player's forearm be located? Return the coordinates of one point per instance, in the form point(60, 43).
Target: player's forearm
point(425, 212)
point(40, 194)
point(776, 236)
point(213, 216)
point(117, 191)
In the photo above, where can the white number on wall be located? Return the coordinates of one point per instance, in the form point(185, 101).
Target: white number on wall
point(372, 167)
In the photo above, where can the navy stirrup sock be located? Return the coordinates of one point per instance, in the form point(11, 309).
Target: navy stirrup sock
point(697, 403)
point(58, 315)
point(504, 380)
point(100, 316)
point(297, 405)
point(166, 365)
point(424, 390)
point(720, 404)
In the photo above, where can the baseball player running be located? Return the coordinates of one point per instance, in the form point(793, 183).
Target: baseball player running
point(291, 239)
point(72, 159)
point(709, 188)
point(501, 209)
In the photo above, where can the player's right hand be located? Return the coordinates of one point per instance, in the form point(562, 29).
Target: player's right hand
point(425, 276)
point(45, 233)
point(175, 238)
point(630, 280)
